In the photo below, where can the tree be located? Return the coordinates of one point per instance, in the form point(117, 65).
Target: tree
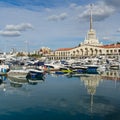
point(118, 42)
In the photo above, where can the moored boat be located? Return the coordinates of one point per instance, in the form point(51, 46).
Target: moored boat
point(4, 69)
point(63, 70)
point(21, 72)
point(35, 75)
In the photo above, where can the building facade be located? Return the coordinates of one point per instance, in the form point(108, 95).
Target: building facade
point(90, 47)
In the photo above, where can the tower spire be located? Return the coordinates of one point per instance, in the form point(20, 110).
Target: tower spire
point(91, 38)
point(90, 16)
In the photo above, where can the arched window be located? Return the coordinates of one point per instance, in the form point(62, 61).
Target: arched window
point(100, 51)
point(91, 51)
point(86, 51)
point(81, 51)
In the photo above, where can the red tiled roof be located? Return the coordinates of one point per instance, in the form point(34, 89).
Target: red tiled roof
point(111, 46)
point(64, 49)
point(104, 46)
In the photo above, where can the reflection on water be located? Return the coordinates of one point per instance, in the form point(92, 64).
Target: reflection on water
point(88, 97)
point(91, 83)
point(98, 104)
point(14, 82)
point(111, 75)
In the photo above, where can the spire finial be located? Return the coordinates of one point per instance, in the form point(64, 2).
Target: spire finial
point(91, 16)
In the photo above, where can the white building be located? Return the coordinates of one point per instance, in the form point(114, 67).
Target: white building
point(89, 47)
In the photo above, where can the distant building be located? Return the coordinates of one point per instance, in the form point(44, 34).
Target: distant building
point(90, 47)
point(44, 51)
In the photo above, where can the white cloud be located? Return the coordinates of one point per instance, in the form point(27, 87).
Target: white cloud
point(73, 5)
point(10, 33)
point(100, 12)
point(53, 18)
point(114, 3)
point(61, 16)
point(15, 30)
point(19, 27)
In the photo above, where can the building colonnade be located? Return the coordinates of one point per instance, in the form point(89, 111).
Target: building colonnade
point(85, 51)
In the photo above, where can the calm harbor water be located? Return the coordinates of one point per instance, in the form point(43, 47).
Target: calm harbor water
point(61, 98)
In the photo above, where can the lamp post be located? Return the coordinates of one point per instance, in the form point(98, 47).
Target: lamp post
point(27, 46)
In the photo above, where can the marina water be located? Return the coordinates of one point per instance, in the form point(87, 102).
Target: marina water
point(61, 97)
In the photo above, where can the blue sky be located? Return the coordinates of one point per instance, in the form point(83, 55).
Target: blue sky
point(56, 23)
